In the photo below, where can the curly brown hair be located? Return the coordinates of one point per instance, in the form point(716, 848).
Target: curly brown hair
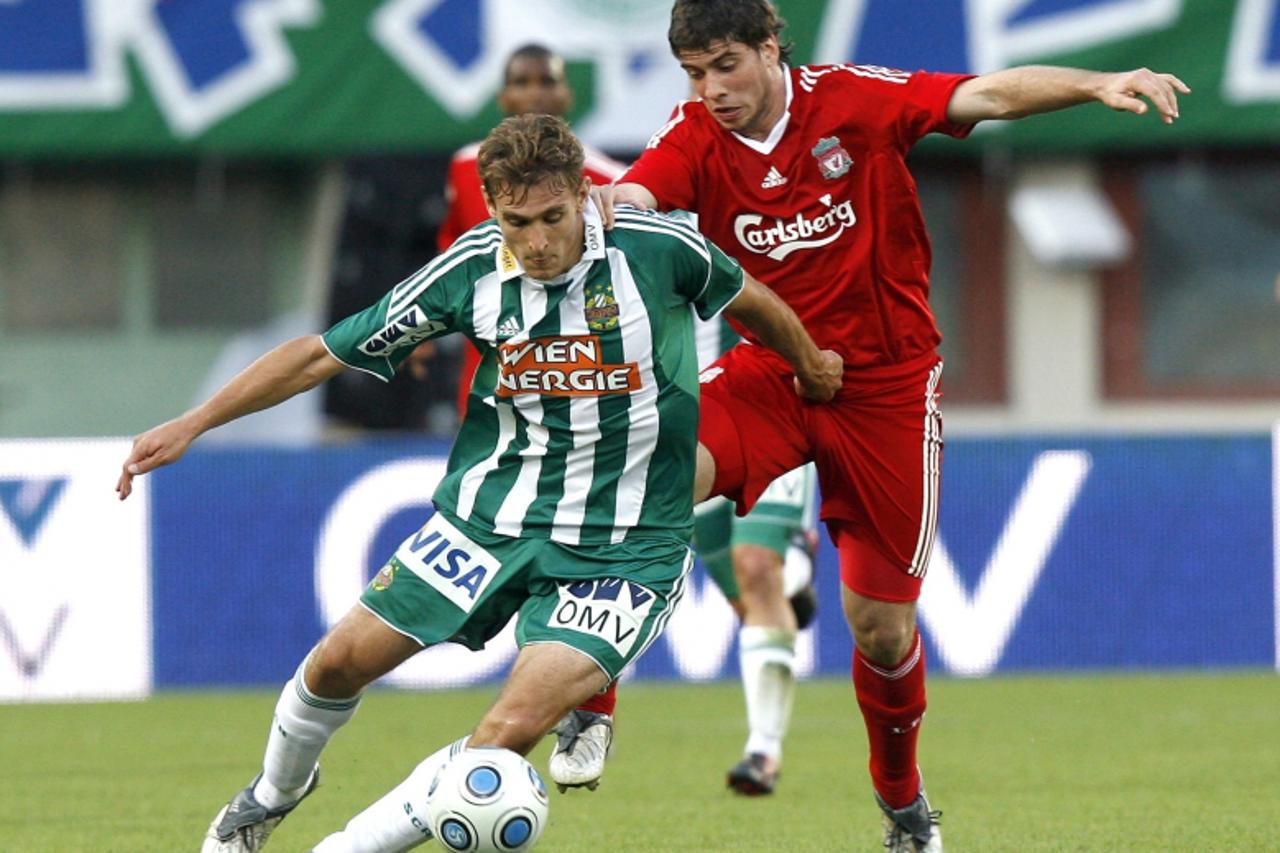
point(697, 24)
point(525, 151)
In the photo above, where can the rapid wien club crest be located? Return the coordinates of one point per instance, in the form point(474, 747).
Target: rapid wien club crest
point(384, 578)
point(832, 159)
point(601, 309)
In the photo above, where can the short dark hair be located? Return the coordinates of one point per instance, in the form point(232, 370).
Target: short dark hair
point(532, 50)
point(524, 151)
point(697, 24)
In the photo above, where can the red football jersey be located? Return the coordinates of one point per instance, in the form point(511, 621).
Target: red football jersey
point(824, 211)
point(465, 199)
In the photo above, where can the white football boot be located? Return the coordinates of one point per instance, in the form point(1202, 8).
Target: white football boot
point(583, 741)
point(243, 824)
point(912, 828)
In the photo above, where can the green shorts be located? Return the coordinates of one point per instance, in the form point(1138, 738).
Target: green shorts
point(782, 517)
point(447, 582)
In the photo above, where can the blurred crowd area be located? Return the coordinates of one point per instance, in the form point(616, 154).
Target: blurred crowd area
point(161, 224)
point(166, 217)
point(129, 290)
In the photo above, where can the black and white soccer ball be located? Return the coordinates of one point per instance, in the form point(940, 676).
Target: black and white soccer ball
point(487, 799)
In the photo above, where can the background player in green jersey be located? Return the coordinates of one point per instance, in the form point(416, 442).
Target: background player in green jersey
point(763, 563)
point(568, 497)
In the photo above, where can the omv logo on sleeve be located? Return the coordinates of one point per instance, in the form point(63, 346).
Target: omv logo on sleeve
point(980, 35)
point(204, 59)
point(1253, 60)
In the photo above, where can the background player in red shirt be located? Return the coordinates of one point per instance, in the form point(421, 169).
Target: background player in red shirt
point(801, 174)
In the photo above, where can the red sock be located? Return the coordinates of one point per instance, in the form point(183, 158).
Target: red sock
point(892, 702)
point(603, 702)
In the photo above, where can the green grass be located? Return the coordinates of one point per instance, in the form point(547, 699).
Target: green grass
point(1186, 762)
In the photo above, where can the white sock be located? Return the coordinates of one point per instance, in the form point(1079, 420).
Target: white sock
point(766, 657)
point(398, 821)
point(302, 727)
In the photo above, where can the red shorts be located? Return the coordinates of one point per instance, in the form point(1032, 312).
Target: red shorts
point(877, 447)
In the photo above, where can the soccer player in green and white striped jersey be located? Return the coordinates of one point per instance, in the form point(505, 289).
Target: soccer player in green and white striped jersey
point(568, 497)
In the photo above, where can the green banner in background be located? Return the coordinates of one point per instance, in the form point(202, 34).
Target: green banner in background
point(304, 78)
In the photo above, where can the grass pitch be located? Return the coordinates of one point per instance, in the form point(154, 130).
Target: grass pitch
point(1149, 762)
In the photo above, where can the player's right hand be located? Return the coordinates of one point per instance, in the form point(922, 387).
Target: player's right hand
point(609, 196)
point(1125, 90)
point(822, 383)
point(602, 198)
point(155, 447)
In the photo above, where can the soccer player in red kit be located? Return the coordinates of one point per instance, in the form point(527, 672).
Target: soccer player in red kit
point(533, 82)
point(800, 173)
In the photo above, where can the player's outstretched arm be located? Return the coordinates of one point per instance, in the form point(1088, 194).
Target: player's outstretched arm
point(1031, 89)
point(289, 369)
point(818, 372)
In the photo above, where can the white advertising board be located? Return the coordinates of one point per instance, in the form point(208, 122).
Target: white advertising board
point(75, 602)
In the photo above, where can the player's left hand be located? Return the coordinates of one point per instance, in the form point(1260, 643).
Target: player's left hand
point(821, 384)
point(1125, 91)
point(159, 446)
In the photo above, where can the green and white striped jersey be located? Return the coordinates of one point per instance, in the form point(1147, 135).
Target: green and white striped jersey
point(582, 422)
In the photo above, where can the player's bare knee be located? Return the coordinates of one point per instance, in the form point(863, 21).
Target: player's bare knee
point(332, 671)
point(516, 730)
point(758, 571)
point(882, 630)
point(884, 644)
point(883, 637)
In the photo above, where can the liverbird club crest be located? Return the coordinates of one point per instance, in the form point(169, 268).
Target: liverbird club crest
point(832, 159)
point(601, 308)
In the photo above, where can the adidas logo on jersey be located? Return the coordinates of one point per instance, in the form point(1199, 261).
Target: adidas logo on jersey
point(509, 328)
point(773, 179)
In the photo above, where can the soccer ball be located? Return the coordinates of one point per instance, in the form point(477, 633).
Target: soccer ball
point(487, 799)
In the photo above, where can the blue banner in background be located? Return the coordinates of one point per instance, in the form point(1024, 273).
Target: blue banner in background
point(234, 547)
point(1052, 554)
point(1128, 552)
